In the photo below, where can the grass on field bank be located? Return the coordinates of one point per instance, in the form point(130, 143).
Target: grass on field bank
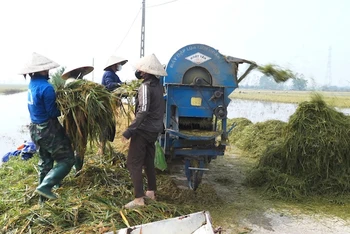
point(337, 99)
point(12, 88)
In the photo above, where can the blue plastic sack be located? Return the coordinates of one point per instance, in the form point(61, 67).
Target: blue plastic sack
point(6, 157)
point(26, 156)
point(27, 152)
point(29, 147)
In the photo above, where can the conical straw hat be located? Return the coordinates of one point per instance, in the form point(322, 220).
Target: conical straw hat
point(38, 63)
point(114, 60)
point(83, 69)
point(150, 64)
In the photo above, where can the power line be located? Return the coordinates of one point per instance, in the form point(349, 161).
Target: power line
point(156, 5)
point(160, 4)
point(128, 31)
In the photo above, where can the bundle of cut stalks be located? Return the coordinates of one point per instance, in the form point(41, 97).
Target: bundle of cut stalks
point(125, 94)
point(127, 89)
point(276, 72)
point(88, 109)
point(313, 156)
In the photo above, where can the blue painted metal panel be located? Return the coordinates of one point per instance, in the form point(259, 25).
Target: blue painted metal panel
point(181, 96)
point(203, 56)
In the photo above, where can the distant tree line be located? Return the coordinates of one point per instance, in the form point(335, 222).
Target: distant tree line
point(299, 83)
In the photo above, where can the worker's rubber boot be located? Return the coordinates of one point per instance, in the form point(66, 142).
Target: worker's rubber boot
point(78, 165)
point(42, 199)
point(52, 178)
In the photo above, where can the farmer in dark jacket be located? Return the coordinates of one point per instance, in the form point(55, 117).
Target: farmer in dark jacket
point(145, 128)
point(111, 81)
point(45, 130)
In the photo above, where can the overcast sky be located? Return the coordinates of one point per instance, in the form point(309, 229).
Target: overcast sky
point(296, 34)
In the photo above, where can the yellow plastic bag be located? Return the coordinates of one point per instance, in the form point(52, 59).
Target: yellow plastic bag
point(159, 159)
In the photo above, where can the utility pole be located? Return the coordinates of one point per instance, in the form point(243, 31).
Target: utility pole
point(142, 49)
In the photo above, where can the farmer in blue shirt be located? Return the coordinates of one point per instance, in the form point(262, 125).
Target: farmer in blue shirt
point(45, 130)
point(111, 81)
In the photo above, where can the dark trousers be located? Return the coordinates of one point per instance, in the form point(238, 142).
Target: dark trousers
point(141, 154)
point(54, 145)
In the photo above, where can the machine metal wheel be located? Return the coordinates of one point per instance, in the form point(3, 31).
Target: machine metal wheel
point(196, 179)
point(196, 175)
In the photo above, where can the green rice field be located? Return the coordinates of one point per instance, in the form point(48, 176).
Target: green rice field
point(338, 99)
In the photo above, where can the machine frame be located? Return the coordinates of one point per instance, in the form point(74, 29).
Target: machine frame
point(197, 89)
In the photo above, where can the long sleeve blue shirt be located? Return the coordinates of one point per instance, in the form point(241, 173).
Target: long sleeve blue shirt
point(110, 80)
point(42, 104)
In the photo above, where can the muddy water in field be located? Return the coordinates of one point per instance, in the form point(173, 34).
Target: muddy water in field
point(14, 121)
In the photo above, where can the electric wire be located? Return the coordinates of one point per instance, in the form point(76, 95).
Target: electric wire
point(132, 24)
point(160, 4)
point(127, 33)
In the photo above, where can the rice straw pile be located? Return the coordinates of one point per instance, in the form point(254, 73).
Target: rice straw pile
point(312, 157)
point(90, 203)
point(240, 125)
point(88, 109)
point(255, 138)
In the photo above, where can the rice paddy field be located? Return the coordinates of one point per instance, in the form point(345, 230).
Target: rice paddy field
point(338, 99)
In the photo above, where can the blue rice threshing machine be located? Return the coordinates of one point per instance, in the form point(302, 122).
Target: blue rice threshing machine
point(198, 85)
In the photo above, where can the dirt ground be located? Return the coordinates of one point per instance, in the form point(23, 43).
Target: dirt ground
point(247, 211)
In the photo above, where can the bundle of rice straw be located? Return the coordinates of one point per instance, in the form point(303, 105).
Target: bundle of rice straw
point(276, 72)
point(127, 89)
point(125, 94)
point(88, 110)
